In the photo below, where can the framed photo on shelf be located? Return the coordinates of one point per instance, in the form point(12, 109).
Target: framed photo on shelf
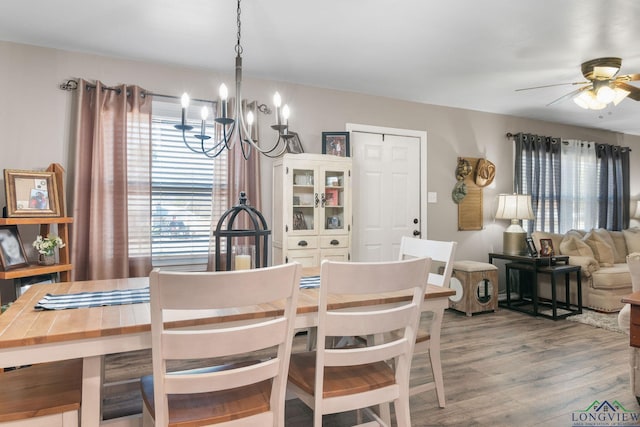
point(546, 247)
point(31, 194)
point(531, 247)
point(335, 143)
point(12, 252)
point(294, 145)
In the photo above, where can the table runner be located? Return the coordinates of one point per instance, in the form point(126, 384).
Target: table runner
point(119, 297)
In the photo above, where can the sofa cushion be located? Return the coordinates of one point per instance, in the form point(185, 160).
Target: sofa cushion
point(578, 233)
point(621, 246)
point(632, 238)
point(574, 246)
point(614, 277)
point(606, 236)
point(602, 250)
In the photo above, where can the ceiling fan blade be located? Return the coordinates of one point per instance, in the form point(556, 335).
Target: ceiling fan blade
point(628, 77)
point(557, 84)
point(634, 92)
point(569, 95)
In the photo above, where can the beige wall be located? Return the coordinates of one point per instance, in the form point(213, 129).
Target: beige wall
point(35, 120)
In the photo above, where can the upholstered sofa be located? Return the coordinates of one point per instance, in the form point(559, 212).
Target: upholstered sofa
point(601, 254)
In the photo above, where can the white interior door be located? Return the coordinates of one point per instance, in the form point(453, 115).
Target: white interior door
point(389, 191)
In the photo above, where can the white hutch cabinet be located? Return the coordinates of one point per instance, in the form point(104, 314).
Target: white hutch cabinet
point(311, 209)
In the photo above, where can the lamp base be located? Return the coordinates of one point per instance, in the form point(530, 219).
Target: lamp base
point(514, 243)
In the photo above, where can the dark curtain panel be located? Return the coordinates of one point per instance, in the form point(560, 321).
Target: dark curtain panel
point(614, 191)
point(537, 172)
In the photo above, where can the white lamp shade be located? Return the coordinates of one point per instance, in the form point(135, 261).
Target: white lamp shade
point(514, 206)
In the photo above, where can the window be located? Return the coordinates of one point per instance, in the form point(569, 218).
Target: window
point(188, 194)
point(573, 184)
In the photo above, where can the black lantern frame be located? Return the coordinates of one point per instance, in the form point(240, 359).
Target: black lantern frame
point(259, 233)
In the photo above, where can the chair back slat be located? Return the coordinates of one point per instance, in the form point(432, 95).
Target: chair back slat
point(223, 342)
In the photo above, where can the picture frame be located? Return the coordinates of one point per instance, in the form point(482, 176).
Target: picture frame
point(12, 254)
point(299, 222)
point(336, 144)
point(31, 194)
point(546, 247)
point(531, 247)
point(293, 144)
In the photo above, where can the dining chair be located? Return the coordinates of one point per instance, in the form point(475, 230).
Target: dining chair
point(332, 380)
point(47, 394)
point(442, 255)
point(246, 393)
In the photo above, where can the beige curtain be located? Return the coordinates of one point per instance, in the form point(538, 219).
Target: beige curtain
point(113, 126)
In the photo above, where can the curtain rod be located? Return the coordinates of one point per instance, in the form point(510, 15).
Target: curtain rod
point(509, 135)
point(72, 84)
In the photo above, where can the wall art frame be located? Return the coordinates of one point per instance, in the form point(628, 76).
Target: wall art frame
point(31, 194)
point(336, 144)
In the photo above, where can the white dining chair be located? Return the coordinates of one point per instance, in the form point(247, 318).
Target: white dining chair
point(46, 394)
point(250, 393)
point(442, 255)
point(332, 380)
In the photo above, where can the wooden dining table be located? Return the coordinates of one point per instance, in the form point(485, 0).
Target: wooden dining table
point(29, 336)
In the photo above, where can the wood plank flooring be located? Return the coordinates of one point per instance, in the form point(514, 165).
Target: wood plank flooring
point(500, 369)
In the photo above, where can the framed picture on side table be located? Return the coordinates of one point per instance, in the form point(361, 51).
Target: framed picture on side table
point(531, 247)
point(12, 252)
point(335, 143)
point(546, 247)
point(31, 194)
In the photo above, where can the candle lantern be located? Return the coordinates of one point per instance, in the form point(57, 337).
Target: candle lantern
point(252, 251)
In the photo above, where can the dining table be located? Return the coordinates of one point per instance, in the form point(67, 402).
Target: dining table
point(29, 335)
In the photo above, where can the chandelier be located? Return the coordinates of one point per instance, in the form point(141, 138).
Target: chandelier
point(237, 128)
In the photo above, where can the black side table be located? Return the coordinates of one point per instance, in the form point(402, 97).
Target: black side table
point(554, 271)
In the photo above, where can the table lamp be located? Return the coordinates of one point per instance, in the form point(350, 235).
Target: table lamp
point(514, 207)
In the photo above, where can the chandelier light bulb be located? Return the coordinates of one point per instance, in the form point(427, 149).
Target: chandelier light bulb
point(250, 118)
point(204, 112)
point(285, 112)
point(224, 92)
point(277, 101)
point(184, 100)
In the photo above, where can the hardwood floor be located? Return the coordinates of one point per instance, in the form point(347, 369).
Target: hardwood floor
point(500, 369)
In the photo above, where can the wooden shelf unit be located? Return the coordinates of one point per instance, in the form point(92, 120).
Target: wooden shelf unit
point(64, 266)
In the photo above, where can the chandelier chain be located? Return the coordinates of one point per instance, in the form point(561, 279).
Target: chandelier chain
point(239, 23)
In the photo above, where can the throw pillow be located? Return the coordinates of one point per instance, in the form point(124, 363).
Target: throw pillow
point(606, 237)
point(603, 253)
point(573, 246)
point(632, 237)
point(620, 245)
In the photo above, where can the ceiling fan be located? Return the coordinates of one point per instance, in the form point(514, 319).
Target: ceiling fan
point(602, 87)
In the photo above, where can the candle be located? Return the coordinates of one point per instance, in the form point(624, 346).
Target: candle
point(243, 262)
point(224, 94)
point(185, 103)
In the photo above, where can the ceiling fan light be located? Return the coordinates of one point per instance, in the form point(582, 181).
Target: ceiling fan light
point(581, 102)
point(620, 94)
point(605, 94)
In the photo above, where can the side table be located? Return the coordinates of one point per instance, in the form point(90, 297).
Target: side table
point(554, 271)
point(555, 266)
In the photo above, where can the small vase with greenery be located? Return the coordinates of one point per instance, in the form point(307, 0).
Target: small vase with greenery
point(46, 247)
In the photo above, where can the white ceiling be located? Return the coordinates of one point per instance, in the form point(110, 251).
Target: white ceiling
point(461, 53)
